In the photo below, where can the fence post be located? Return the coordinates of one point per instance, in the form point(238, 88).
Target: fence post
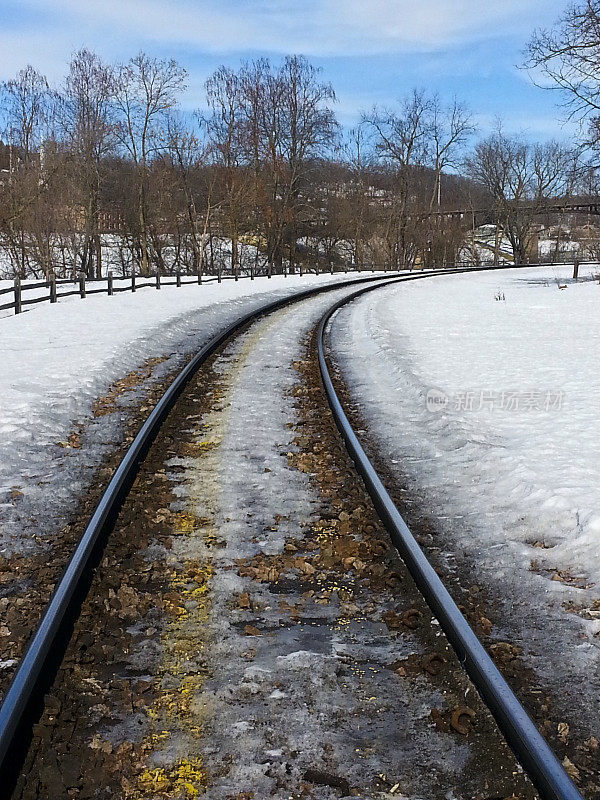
point(301, 269)
point(17, 295)
point(82, 286)
point(158, 280)
point(110, 284)
point(178, 278)
point(133, 281)
point(575, 269)
point(331, 268)
point(53, 288)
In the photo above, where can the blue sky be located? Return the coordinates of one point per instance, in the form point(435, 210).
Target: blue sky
point(372, 51)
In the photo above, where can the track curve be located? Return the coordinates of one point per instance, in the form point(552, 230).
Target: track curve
point(534, 754)
point(14, 713)
point(529, 746)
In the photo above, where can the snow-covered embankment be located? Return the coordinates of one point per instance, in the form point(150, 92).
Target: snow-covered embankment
point(482, 391)
point(58, 359)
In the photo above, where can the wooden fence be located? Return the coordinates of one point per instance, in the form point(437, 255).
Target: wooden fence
point(54, 288)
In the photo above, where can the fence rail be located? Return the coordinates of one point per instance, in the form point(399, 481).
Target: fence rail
point(112, 285)
point(55, 287)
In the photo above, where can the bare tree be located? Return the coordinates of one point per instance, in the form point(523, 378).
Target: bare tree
point(289, 125)
point(226, 133)
point(450, 128)
point(27, 102)
point(420, 141)
point(567, 57)
point(402, 140)
point(309, 129)
point(89, 133)
point(146, 89)
point(357, 156)
point(26, 107)
point(189, 155)
point(262, 105)
point(521, 178)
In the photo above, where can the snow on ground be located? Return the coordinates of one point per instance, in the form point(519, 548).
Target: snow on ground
point(57, 359)
point(7, 296)
point(484, 390)
point(117, 255)
point(260, 719)
point(482, 244)
point(34, 288)
point(566, 247)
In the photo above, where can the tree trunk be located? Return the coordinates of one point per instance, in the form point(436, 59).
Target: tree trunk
point(98, 243)
point(144, 261)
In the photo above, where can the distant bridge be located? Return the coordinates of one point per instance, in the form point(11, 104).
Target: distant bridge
point(554, 207)
point(114, 222)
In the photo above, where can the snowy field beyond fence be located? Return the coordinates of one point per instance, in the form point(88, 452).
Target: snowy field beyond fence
point(485, 390)
point(117, 256)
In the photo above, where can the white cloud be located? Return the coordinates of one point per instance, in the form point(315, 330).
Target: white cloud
point(313, 27)
point(419, 41)
point(48, 54)
point(530, 126)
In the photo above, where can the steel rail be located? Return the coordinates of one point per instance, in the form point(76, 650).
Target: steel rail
point(530, 748)
point(25, 686)
point(21, 692)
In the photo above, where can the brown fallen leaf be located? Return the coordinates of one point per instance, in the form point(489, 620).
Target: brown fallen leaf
point(392, 620)
point(485, 625)
point(563, 731)
point(504, 652)
point(570, 768)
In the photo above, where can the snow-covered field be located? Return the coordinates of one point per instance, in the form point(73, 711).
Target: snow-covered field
point(117, 255)
point(484, 390)
point(57, 359)
point(481, 246)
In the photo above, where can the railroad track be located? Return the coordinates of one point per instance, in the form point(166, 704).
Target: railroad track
point(24, 699)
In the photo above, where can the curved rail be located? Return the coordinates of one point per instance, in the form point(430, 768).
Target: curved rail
point(528, 745)
point(13, 713)
point(15, 723)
